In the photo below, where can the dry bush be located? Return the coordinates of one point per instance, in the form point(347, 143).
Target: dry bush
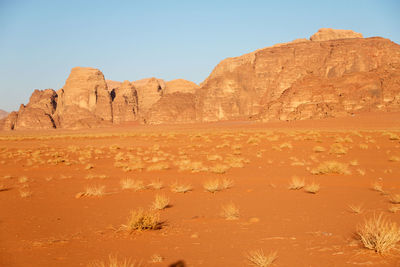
point(136, 185)
point(89, 166)
point(394, 158)
point(338, 148)
point(212, 186)
point(355, 208)
point(312, 188)
point(25, 193)
point(113, 261)
point(363, 146)
point(379, 234)
point(94, 191)
point(226, 184)
point(156, 258)
point(23, 179)
point(286, 145)
point(161, 202)
point(156, 184)
point(140, 220)
point(219, 168)
point(376, 186)
point(181, 188)
point(395, 199)
point(394, 208)
point(319, 149)
point(296, 183)
point(158, 166)
point(258, 258)
point(331, 167)
point(230, 212)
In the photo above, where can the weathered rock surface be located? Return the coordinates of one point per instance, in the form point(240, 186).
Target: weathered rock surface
point(335, 73)
point(326, 34)
point(303, 80)
point(177, 107)
point(84, 100)
point(180, 85)
point(3, 114)
point(36, 115)
point(149, 91)
point(124, 103)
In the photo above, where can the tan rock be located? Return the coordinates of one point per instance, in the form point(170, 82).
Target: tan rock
point(149, 91)
point(180, 85)
point(326, 34)
point(124, 103)
point(85, 92)
point(303, 80)
point(173, 108)
point(3, 114)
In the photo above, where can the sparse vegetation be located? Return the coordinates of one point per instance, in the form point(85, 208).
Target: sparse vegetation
point(212, 186)
point(181, 188)
point(379, 234)
point(94, 191)
point(395, 198)
point(230, 212)
point(312, 188)
point(331, 167)
point(161, 202)
point(296, 183)
point(258, 258)
point(113, 261)
point(355, 208)
point(140, 220)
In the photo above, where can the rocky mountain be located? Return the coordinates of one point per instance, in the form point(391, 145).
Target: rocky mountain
point(3, 114)
point(334, 73)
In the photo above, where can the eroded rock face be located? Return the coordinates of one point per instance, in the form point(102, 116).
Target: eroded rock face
point(37, 114)
point(180, 85)
point(86, 94)
point(326, 34)
point(124, 103)
point(149, 91)
point(3, 114)
point(303, 80)
point(177, 107)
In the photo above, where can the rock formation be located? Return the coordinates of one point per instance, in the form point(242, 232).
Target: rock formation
point(180, 85)
point(124, 103)
point(3, 114)
point(334, 73)
point(37, 114)
point(326, 34)
point(304, 80)
point(84, 100)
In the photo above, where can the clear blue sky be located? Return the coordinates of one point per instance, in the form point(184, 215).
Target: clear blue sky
point(40, 41)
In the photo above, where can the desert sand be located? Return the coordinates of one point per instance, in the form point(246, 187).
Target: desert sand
point(51, 216)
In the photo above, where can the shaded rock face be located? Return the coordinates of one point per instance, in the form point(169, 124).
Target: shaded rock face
point(124, 103)
point(37, 114)
point(149, 91)
point(326, 34)
point(177, 107)
point(85, 95)
point(303, 80)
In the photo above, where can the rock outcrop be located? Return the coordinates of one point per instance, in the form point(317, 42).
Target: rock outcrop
point(326, 34)
point(124, 103)
point(84, 101)
point(180, 85)
point(334, 73)
point(173, 108)
point(3, 114)
point(36, 115)
point(303, 80)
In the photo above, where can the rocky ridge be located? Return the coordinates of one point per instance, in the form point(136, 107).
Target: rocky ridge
point(334, 73)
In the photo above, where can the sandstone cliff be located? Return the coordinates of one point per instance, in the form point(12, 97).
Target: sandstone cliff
point(334, 73)
point(3, 114)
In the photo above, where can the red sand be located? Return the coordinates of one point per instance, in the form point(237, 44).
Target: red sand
point(54, 228)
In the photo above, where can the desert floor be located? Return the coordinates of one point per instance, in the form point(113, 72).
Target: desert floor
point(49, 217)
